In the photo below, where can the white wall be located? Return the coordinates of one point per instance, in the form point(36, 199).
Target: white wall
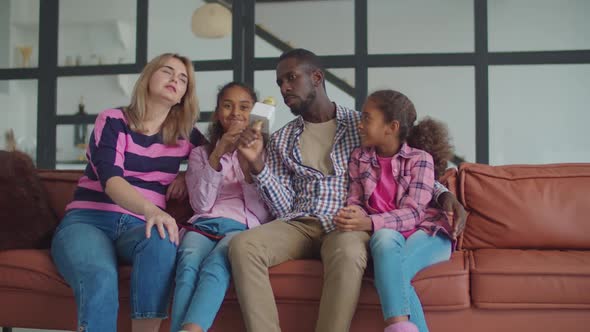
point(4, 34)
point(538, 25)
point(326, 27)
point(24, 30)
point(539, 114)
point(97, 29)
point(169, 30)
point(420, 26)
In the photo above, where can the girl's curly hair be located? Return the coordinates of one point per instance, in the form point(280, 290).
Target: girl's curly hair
point(429, 135)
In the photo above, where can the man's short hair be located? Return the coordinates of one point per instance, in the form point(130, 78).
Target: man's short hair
point(303, 56)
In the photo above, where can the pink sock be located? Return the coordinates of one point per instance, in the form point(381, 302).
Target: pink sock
point(406, 326)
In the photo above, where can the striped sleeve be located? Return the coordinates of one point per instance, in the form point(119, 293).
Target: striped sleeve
point(107, 146)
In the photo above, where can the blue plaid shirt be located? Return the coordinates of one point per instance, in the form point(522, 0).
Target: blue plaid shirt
point(291, 189)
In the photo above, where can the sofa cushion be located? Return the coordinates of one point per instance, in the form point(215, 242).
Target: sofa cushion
point(530, 279)
point(526, 207)
point(60, 185)
point(33, 270)
point(26, 219)
point(443, 286)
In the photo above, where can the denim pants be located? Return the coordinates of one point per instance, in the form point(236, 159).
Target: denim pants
point(87, 247)
point(202, 276)
point(397, 260)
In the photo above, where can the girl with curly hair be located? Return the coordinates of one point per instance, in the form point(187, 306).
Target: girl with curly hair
point(392, 178)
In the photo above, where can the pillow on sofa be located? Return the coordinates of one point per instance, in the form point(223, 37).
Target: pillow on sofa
point(26, 219)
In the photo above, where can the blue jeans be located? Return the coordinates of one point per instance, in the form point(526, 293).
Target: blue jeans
point(397, 260)
point(88, 246)
point(202, 276)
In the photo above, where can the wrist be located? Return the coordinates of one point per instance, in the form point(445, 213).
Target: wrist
point(442, 199)
point(215, 160)
point(368, 223)
point(257, 166)
point(148, 208)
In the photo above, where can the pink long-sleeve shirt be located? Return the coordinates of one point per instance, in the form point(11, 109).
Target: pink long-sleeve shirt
point(225, 193)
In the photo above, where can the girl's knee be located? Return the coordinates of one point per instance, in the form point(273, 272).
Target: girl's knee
point(217, 269)
point(386, 239)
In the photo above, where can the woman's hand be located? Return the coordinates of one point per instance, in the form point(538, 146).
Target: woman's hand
point(177, 189)
point(154, 216)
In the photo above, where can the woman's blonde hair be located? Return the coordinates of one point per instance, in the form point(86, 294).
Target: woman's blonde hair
point(182, 116)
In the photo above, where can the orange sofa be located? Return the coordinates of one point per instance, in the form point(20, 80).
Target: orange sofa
point(523, 263)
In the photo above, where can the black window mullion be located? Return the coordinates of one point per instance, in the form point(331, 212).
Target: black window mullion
point(19, 73)
point(482, 136)
point(141, 34)
point(361, 80)
point(422, 60)
point(76, 119)
point(238, 40)
point(213, 65)
point(249, 21)
point(47, 83)
point(539, 57)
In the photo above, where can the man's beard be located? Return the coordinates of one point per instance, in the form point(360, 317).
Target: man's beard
point(304, 106)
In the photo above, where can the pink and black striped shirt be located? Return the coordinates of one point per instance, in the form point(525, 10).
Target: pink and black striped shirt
point(142, 160)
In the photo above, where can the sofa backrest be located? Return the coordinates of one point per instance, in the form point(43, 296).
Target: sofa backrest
point(526, 206)
point(60, 186)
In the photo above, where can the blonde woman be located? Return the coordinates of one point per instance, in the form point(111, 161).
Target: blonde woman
point(117, 215)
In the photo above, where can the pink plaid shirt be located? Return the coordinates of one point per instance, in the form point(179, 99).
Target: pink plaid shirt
point(413, 171)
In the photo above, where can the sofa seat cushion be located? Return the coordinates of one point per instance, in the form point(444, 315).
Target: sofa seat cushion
point(531, 279)
point(444, 286)
point(33, 270)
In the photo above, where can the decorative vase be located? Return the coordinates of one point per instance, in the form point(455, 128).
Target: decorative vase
point(25, 52)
